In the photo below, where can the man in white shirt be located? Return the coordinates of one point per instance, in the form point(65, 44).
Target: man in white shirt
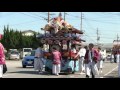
point(81, 54)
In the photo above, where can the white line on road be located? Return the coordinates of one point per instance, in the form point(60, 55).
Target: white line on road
point(109, 72)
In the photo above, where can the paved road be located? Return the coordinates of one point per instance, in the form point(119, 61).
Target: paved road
point(15, 70)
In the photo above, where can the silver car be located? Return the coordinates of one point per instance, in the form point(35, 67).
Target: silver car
point(14, 55)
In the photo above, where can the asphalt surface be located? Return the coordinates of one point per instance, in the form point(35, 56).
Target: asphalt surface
point(15, 70)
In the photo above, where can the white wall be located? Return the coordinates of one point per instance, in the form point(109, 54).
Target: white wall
point(28, 34)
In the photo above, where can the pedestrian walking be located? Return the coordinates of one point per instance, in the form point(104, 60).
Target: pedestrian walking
point(56, 56)
point(38, 63)
point(119, 64)
point(100, 60)
point(119, 68)
point(117, 57)
point(112, 58)
point(2, 59)
point(81, 53)
point(91, 58)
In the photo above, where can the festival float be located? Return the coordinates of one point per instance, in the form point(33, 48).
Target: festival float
point(60, 34)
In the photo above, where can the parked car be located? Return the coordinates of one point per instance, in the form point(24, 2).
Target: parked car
point(108, 57)
point(14, 55)
point(28, 60)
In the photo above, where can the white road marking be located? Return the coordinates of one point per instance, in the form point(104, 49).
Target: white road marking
point(8, 75)
point(111, 71)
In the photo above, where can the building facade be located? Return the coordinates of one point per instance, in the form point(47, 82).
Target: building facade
point(28, 33)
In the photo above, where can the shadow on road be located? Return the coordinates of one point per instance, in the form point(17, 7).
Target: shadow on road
point(31, 72)
point(25, 68)
point(36, 73)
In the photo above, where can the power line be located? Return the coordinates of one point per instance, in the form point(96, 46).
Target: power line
point(101, 21)
point(102, 15)
point(81, 19)
point(46, 13)
point(74, 16)
point(39, 16)
point(102, 37)
point(90, 37)
point(24, 23)
point(88, 24)
point(9, 14)
point(92, 19)
point(21, 23)
point(29, 15)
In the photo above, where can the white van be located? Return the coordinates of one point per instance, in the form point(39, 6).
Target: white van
point(25, 52)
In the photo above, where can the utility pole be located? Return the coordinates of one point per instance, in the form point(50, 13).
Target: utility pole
point(48, 17)
point(81, 22)
point(48, 20)
point(64, 16)
point(60, 14)
point(98, 37)
point(117, 39)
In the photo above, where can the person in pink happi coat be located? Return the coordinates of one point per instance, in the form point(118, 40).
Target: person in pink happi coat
point(56, 56)
point(2, 59)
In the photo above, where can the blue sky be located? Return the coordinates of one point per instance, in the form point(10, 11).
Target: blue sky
point(108, 23)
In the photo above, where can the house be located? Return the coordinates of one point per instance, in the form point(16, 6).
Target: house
point(28, 33)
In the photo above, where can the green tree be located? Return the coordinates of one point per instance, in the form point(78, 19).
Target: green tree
point(13, 39)
point(34, 41)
